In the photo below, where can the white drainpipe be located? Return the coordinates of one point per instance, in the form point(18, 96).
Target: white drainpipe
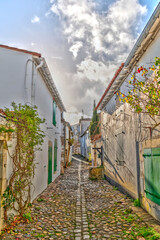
point(33, 83)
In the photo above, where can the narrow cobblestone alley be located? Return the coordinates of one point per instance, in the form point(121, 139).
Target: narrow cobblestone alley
point(74, 207)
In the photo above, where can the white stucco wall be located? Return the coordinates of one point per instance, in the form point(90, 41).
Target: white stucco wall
point(134, 130)
point(12, 78)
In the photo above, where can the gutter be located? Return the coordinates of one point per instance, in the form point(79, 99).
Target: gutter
point(109, 86)
point(144, 34)
point(44, 70)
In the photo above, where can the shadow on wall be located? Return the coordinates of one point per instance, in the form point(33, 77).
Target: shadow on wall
point(111, 164)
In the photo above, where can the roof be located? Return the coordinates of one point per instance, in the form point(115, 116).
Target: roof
point(102, 100)
point(84, 132)
point(47, 77)
point(45, 73)
point(84, 119)
point(20, 50)
point(149, 33)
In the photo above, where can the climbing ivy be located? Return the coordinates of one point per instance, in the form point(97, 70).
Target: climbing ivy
point(23, 122)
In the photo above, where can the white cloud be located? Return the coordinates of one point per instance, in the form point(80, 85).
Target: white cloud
point(54, 9)
point(98, 41)
point(35, 19)
point(75, 48)
point(93, 70)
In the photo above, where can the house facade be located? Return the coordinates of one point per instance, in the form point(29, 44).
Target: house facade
point(131, 152)
point(86, 145)
point(84, 134)
point(67, 142)
point(76, 136)
point(25, 78)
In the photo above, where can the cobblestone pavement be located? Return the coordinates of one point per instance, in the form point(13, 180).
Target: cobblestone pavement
point(74, 207)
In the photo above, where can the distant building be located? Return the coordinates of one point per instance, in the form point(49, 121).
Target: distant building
point(67, 143)
point(86, 144)
point(76, 137)
point(84, 135)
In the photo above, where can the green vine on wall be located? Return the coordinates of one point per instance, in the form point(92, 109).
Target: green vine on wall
point(23, 123)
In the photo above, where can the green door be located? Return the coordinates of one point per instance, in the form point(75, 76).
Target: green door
point(55, 155)
point(49, 162)
point(152, 174)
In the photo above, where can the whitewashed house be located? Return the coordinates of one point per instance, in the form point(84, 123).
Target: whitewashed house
point(86, 144)
point(25, 78)
point(67, 142)
point(131, 152)
point(84, 125)
point(76, 135)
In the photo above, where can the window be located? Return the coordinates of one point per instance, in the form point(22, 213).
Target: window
point(120, 148)
point(54, 113)
point(152, 176)
point(55, 155)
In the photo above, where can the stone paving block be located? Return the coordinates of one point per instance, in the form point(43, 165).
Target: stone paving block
point(69, 209)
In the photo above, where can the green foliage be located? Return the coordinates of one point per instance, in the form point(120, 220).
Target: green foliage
point(37, 208)
point(137, 202)
point(115, 188)
point(27, 216)
point(93, 178)
point(144, 94)
point(128, 210)
point(148, 233)
point(130, 218)
point(71, 141)
point(40, 200)
point(29, 204)
point(24, 123)
point(94, 128)
point(40, 235)
point(8, 198)
point(6, 130)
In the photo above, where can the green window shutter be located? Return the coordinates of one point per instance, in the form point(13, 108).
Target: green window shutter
point(54, 113)
point(152, 176)
point(55, 155)
point(50, 162)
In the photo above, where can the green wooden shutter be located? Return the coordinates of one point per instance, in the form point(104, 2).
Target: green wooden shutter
point(152, 174)
point(50, 162)
point(54, 113)
point(55, 155)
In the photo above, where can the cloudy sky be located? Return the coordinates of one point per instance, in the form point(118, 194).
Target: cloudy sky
point(84, 42)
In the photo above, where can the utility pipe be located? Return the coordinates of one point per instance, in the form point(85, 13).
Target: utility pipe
point(33, 83)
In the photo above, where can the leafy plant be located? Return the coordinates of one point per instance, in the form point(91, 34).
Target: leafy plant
point(71, 141)
point(94, 127)
point(115, 188)
point(93, 178)
point(128, 210)
point(37, 208)
point(137, 202)
point(24, 123)
point(144, 94)
point(28, 216)
point(40, 200)
point(148, 232)
point(8, 201)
